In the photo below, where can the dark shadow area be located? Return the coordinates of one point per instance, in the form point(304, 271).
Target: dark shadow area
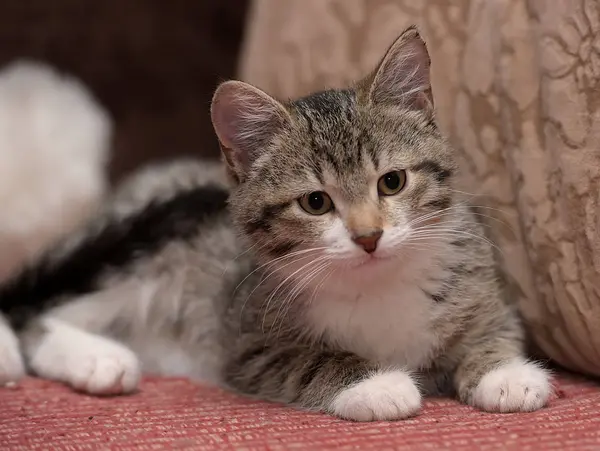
point(152, 63)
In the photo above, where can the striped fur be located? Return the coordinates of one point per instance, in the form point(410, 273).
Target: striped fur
point(280, 304)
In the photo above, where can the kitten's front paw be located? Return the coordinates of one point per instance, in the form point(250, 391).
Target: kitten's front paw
point(110, 373)
point(390, 395)
point(518, 386)
point(87, 362)
point(11, 361)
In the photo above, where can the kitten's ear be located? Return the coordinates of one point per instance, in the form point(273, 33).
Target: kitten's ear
point(245, 119)
point(402, 77)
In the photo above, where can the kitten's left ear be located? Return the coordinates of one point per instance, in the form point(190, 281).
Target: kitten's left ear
point(402, 77)
point(245, 120)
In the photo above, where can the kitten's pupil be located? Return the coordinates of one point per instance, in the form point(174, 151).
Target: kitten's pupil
point(392, 180)
point(316, 200)
point(316, 203)
point(391, 183)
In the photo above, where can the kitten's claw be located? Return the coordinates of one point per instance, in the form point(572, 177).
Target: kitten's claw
point(390, 395)
point(518, 386)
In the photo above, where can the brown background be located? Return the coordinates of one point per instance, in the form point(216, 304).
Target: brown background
point(152, 63)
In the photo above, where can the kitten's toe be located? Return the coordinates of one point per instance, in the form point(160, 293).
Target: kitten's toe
point(115, 371)
point(390, 395)
point(11, 361)
point(517, 386)
point(87, 362)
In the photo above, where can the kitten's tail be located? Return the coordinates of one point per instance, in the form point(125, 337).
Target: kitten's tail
point(54, 146)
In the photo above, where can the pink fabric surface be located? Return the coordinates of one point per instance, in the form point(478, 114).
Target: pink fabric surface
point(178, 414)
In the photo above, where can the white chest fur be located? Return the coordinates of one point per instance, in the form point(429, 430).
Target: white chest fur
point(388, 320)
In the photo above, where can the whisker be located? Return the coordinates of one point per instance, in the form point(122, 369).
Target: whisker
point(309, 277)
point(453, 208)
point(459, 221)
point(267, 276)
point(464, 192)
point(228, 265)
point(288, 299)
point(313, 296)
point(299, 287)
point(452, 225)
point(275, 260)
point(282, 283)
point(263, 244)
point(452, 234)
point(320, 284)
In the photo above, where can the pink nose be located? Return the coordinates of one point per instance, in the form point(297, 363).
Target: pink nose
point(369, 241)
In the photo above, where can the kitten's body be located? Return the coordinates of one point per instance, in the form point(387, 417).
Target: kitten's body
point(296, 310)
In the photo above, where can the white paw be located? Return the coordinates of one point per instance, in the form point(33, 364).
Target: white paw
point(518, 386)
point(87, 362)
point(11, 361)
point(390, 395)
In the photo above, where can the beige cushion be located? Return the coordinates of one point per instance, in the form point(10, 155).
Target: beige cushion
point(516, 86)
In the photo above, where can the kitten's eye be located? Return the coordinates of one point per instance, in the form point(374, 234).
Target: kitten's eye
point(316, 203)
point(391, 183)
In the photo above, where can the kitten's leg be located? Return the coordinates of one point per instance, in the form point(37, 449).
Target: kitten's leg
point(91, 363)
point(334, 382)
point(494, 374)
point(11, 362)
point(68, 344)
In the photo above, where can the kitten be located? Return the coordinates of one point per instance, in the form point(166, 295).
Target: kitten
point(346, 276)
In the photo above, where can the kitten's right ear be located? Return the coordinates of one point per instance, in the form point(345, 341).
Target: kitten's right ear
point(403, 77)
point(245, 119)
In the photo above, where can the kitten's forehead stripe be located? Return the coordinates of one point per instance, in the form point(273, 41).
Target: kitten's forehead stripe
point(332, 102)
point(317, 170)
point(365, 143)
point(336, 138)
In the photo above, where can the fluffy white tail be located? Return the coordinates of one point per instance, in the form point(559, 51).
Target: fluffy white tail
point(54, 146)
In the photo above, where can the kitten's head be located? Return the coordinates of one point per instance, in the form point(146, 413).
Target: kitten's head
point(341, 177)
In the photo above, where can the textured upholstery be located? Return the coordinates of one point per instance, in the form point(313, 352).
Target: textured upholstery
point(516, 86)
point(176, 414)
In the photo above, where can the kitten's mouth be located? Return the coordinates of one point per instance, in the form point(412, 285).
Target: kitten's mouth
point(370, 260)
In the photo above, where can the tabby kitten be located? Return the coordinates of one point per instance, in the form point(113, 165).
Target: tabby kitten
point(346, 276)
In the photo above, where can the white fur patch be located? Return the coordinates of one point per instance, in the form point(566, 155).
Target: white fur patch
point(87, 362)
point(381, 313)
point(381, 308)
point(11, 362)
point(54, 143)
point(390, 395)
point(518, 386)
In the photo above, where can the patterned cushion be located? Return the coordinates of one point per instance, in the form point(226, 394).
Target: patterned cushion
point(516, 86)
